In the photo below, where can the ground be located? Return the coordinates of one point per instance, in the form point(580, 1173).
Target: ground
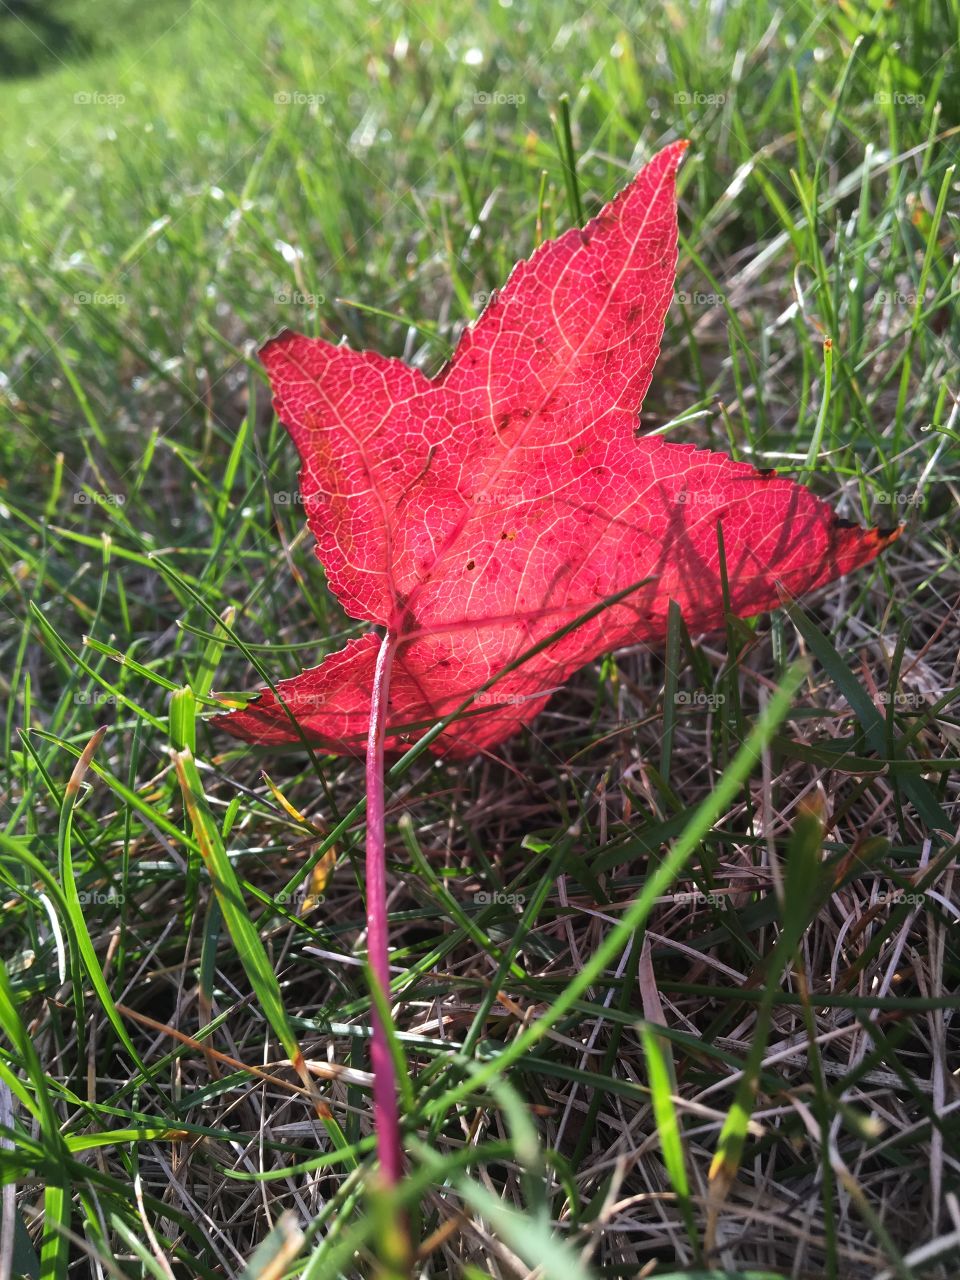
point(177, 184)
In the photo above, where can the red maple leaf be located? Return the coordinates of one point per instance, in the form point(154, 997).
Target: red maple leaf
point(476, 513)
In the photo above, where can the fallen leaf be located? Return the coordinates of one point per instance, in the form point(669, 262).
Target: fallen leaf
point(475, 513)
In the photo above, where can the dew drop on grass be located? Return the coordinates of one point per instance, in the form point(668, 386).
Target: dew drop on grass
point(290, 253)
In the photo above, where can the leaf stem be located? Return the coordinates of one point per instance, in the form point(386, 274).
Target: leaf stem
point(386, 1118)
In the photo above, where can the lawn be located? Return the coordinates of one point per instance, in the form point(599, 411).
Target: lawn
point(675, 971)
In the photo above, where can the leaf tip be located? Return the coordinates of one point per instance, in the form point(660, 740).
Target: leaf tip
point(278, 340)
point(888, 534)
point(674, 153)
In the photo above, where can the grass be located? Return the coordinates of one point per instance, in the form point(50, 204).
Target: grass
point(675, 974)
